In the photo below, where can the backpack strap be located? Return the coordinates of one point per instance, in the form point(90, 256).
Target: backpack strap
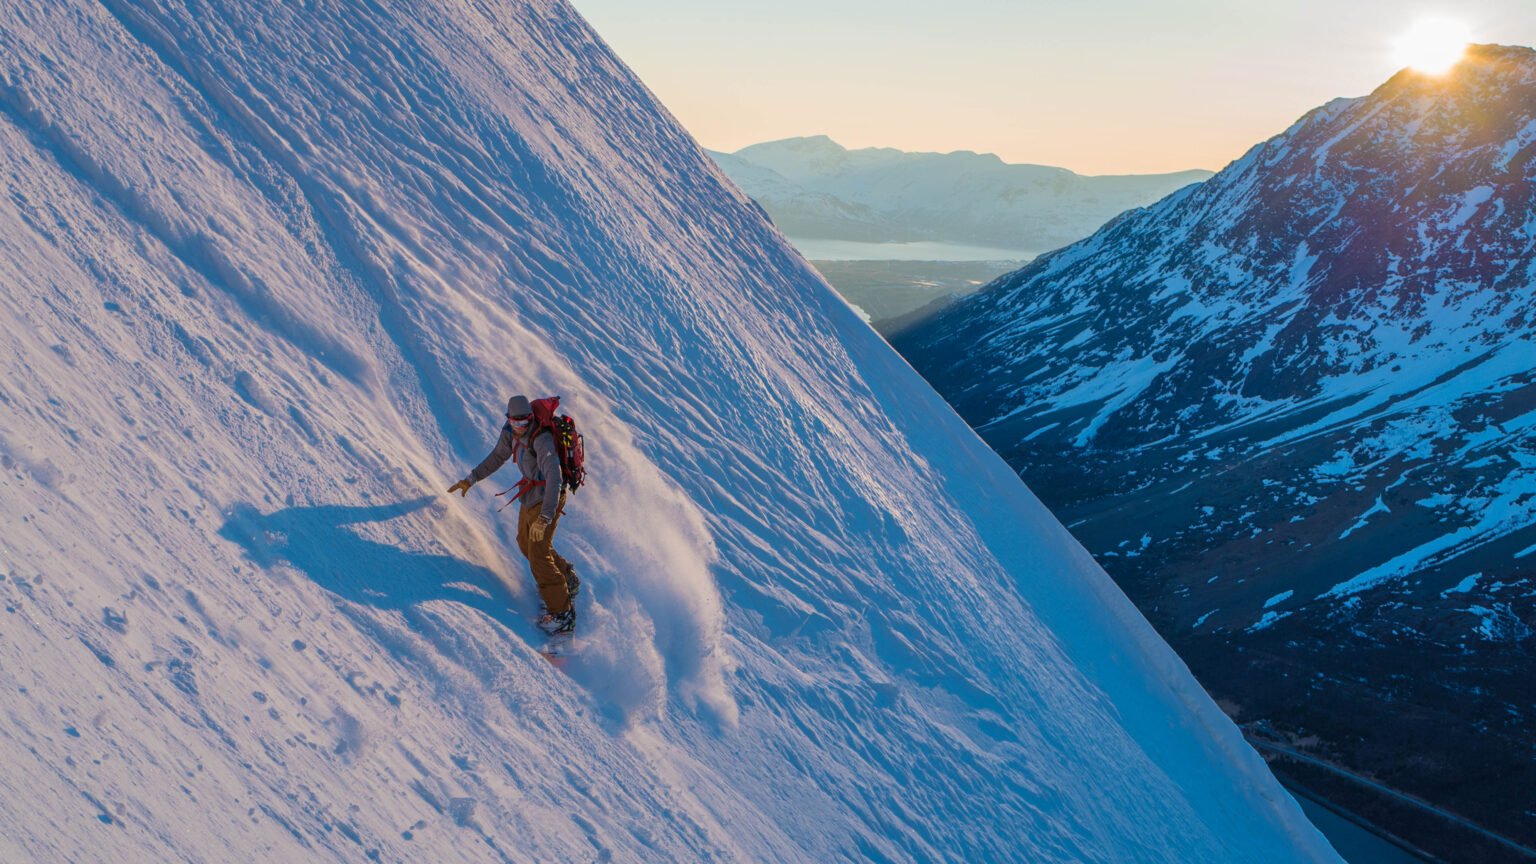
point(522, 488)
point(523, 485)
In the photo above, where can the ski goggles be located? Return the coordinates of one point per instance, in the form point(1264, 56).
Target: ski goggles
point(520, 422)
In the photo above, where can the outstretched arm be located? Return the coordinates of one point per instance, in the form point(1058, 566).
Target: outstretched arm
point(499, 456)
point(488, 466)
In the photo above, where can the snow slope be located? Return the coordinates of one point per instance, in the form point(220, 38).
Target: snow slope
point(270, 272)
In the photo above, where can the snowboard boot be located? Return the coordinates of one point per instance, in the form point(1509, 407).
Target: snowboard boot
point(554, 624)
point(572, 584)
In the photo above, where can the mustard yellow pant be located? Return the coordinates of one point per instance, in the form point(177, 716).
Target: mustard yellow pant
point(549, 568)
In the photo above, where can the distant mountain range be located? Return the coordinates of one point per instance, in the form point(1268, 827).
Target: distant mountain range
point(816, 189)
point(1293, 411)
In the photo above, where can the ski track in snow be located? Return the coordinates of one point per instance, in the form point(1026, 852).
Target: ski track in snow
point(271, 272)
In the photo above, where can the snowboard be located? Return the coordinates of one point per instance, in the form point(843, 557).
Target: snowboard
point(558, 647)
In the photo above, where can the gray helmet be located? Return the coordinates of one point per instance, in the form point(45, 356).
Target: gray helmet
point(518, 406)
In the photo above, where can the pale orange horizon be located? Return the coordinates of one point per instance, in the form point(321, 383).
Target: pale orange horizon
point(1101, 87)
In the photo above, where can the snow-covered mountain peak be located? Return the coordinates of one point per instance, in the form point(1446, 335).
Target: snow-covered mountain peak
point(819, 155)
point(1308, 376)
point(820, 145)
point(1487, 68)
point(1360, 213)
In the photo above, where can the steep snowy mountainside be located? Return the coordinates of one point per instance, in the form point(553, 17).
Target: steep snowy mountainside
point(270, 272)
point(816, 189)
point(1291, 411)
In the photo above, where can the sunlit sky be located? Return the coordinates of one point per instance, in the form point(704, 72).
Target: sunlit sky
point(1098, 86)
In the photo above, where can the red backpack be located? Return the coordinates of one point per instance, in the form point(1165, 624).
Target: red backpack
point(568, 447)
point(568, 444)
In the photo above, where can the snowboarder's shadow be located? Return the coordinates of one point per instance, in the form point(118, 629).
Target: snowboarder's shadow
point(317, 542)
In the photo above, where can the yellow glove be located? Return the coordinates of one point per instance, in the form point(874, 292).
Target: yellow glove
point(537, 530)
point(461, 487)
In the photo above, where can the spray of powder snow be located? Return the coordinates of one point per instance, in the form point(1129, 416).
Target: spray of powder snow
point(656, 549)
point(652, 616)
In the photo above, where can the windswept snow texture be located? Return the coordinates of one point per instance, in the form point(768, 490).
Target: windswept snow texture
point(271, 271)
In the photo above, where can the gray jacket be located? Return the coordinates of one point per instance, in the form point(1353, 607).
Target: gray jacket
point(539, 462)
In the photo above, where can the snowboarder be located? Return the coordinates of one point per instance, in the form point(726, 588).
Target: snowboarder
point(541, 493)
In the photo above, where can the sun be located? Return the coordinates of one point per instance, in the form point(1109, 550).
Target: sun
point(1433, 45)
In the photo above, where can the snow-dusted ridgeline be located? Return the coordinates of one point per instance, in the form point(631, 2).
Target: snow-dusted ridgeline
point(1349, 301)
point(1293, 411)
point(270, 271)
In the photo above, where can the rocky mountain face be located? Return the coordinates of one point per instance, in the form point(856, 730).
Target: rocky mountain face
point(815, 188)
point(1292, 410)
